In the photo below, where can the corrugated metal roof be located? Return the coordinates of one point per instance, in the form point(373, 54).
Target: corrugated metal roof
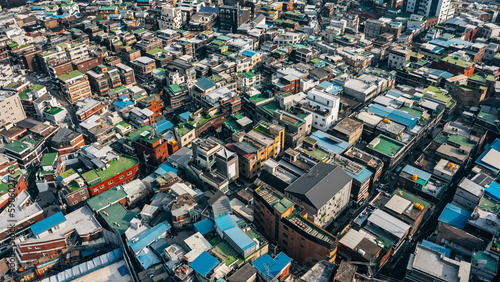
point(204, 226)
point(47, 223)
point(239, 237)
point(454, 216)
point(270, 267)
point(204, 263)
point(415, 171)
point(148, 238)
point(388, 223)
point(380, 110)
point(225, 222)
point(493, 190)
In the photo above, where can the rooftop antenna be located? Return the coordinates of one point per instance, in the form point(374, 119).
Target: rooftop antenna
point(153, 130)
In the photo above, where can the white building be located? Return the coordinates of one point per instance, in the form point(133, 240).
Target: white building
point(171, 18)
point(324, 108)
point(433, 8)
point(468, 193)
point(397, 57)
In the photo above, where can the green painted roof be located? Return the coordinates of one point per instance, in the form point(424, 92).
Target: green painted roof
point(37, 87)
point(21, 146)
point(71, 75)
point(106, 198)
point(53, 110)
point(67, 173)
point(457, 61)
point(118, 218)
point(115, 167)
point(48, 159)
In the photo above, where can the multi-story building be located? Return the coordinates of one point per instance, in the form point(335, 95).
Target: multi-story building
point(67, 141)
point(75, 86)
point(12, 109)
point(349, 130)
point(53, 235)
point(27, 213)
point(202, 21)
point(281, 220)
point(171, 18)
point(126, 74)
point(398, 57)
point(324, 108)
point(153, 148)
point(232, 17)
point(103, 79)
point(143, 67)
point(455, 65)
point(433, 8)
point(324, 192)
point(88, 107)
point(28, 151)
point(120, 170)
point(153, 103)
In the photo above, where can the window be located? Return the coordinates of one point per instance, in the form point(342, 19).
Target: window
point(84, 198)
point(96, 190)
point(102, 186)
point(122, 176)
point(37, 248)
point(75, 202)
point(286, 235)
point(82, 192)
point(129, 173)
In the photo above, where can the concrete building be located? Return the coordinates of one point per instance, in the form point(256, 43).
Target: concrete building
point(324, 192)
point(324, 108)
point(75, 85)
point(349, 130)
point(12, 109)
point(171, 18)
point(398, 57)
point(442, 268)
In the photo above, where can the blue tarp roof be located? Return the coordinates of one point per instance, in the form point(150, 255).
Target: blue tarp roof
point(164, 169)
point(454, 216)
point(204, 226)
point(147, 258)
point(330, 143)
point(445, 251)
point(494, 146)
point(47, 223)
point(204, 83)
point(493, 191)
point(204, 263)
point(239, 237)
point(249, 53)
point(225, 222)
point(163, 125)
point(153, 234)
point(411, 170)
point(185, 115)
point(266, 265)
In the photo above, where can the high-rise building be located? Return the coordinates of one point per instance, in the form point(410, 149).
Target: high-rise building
point(232, 17)
point(430, 8)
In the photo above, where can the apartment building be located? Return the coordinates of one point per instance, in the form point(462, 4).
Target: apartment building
point(143, 67)
point(11, 109)
point(75, 86)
